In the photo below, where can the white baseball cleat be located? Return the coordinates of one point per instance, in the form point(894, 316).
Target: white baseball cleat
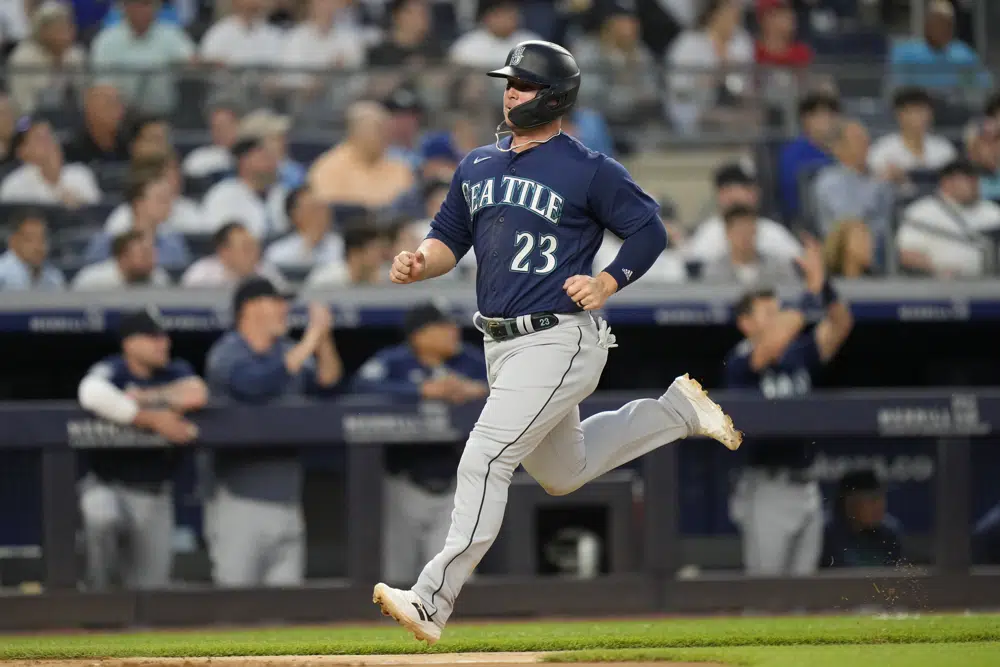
point(712, 421)
point(408, 610)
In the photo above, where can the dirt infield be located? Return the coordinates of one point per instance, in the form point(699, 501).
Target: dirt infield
point(439, 659)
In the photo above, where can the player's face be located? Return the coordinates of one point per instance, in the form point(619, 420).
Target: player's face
point(867, 509)
point(442, 338)
point(759, 318)
point(517, 93)
point(269, 314)
point(152, 351)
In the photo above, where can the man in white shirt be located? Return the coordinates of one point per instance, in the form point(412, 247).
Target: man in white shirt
point(744, 263)
point(312, 243)
point(947, 234)
point(24, 265)
point(362, 264)
point(43, 177)
point(499, 31)
point(736, 185)
point(320, 43)
point(133, 264)
point(237, 256)
point(215, 158)
point(913, 147)
point(254, 196)
point(244, 38)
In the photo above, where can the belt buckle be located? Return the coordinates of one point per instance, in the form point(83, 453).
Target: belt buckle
point(493, 327)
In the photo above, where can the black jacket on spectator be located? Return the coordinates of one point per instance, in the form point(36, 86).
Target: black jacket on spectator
point(82, 148)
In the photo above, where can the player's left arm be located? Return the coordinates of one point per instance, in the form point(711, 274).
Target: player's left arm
point(620, 205)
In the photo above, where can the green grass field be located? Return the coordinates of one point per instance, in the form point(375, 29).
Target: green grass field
point(845, 641)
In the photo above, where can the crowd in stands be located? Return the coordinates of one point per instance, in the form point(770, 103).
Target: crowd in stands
point(102, 186)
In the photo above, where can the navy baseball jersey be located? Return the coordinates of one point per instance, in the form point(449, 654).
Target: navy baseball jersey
point(139, 465)
point(538, 217)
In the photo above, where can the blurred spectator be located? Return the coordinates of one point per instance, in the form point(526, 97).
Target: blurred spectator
point(149, 199)
point(736, 185)
point(43, 177)
point(253, 519)
point(419, 483)
point(912, 148)
point(744, 264)
point(707, 81)
point(319, 43)
point(776, 505)
point(859, 532)
point(498, 32)
point(405, 114)
point(359, 171)
point(254, 196)
point(409, 40)
point(176, 12)
point(312, 243)
point(217, 157)
point(943, 234)
point(244, 38)
point(13, 23)
point(185, 214)
point(409, 236)
point(777, 45)
point(141, 42)
point(361, 265)
point(237, 257)
point(46, 67)
point(668, 267)
point(982, 146)
point(102, 137)
point(8, 120)
point(133, 265)
point(149, 135)
point(849, 250)
point(25, 263)
point(126, 501)
point(621, 73)
point(937, 60)
point(273, 128)
point(439, 157)
point(817, 112)
point(846, 190)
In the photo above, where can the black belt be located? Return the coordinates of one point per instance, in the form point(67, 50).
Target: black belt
point(500, 329)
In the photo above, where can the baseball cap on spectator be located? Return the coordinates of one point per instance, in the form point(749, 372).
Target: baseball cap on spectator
point(255, 287)
point(910, 96)
point(264, 123)
point(245, 144)
point(140, 323)
point(734, 174)
point(403, 99)
point(423, 315)
point(439, 146)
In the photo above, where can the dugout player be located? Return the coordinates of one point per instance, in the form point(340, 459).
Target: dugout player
point(125, 498)
point(777, 508)
point(420, 484)
point(535, 206)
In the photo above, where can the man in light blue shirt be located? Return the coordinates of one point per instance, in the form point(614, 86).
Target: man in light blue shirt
point(141, 43)
point(24, 265)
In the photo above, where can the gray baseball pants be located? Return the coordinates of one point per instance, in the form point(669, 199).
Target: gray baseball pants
point(532, 417)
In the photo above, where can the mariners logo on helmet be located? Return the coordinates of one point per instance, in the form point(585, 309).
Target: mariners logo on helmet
point(516, 55)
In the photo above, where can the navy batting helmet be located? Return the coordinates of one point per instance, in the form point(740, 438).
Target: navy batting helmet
point(547, 65)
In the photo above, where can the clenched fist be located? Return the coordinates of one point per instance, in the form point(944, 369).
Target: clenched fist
point(590, 293)
point(407, 267)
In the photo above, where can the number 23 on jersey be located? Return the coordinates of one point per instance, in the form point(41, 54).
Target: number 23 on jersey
point(535, 253)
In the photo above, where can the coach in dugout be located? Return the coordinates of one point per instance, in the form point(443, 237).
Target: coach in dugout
point(126, 496)
point(420, 483)
point(253, 521)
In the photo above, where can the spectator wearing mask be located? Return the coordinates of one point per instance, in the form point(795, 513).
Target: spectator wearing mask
point(359, 171)
point(236, 258)
point(185, 214)
point(937, 61)
point(244, 38)
point(775, 504)
point(622, 79)
point(736, 185)
point(409, 41)
point(25, 266)
point(127, 491)
point(846, 191)
point(849, 250)
point(776, 44)
point(913, 147)
point(982, 147)
point(254, 195)
point(102, 137)
point(498, 32)
point(149, 199)
point(419, 483)
point(44, 177)
point(361, 265)
point(860, 533)
point(744, 264)
point(215, 159)
point(253, 521)
point(133, 264)
point(273, 129)
point(817, 112)
point(46, 67)
point(704, 66)
point(142, 42)
point(312, 243)
point(946, 234)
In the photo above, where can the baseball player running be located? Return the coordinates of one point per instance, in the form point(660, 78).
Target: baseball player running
point(534, 206)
